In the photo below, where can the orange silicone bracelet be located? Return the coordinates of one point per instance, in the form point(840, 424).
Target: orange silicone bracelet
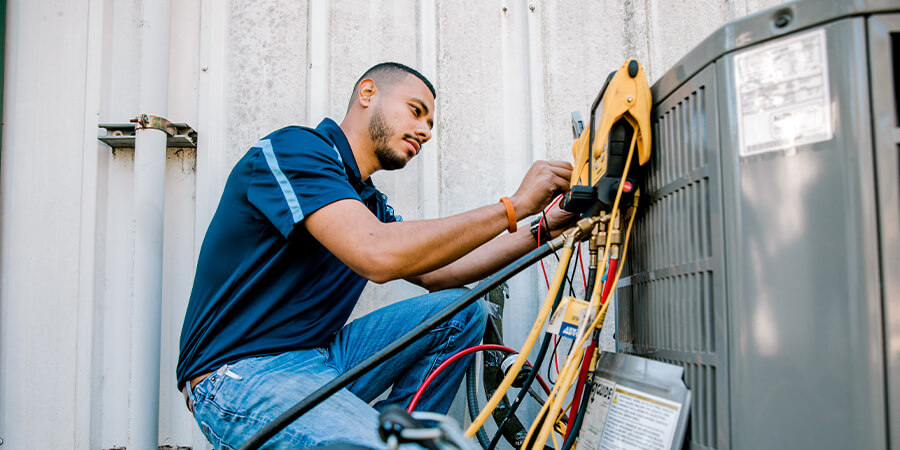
point(510, 213)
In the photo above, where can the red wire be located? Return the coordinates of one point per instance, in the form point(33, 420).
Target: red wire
point(610, 275)
point(540, 227)
point(579, 388)
point(544, 271)
point(581, 261)
point(450, 360)
point(543, 383)
point(589, 353)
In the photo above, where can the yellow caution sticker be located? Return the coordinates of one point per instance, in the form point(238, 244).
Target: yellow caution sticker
point(567, 317)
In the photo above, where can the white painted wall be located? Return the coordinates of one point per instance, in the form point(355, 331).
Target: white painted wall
point(508, 77)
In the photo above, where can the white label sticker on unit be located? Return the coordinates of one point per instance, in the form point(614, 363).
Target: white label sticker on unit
point(782, 92)
point(596, 412)
point(622, 418)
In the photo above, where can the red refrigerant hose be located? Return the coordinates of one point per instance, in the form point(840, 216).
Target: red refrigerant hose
point(579, 388)
point(589, 353)
point(610, 277)
point(450, 360)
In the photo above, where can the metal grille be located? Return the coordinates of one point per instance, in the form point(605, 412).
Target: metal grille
point(703, 401)
point(670, 304)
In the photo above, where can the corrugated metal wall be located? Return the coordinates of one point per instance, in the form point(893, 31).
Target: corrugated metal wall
point(508, 74)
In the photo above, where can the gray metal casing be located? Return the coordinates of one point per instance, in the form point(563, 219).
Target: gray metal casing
point(773, 278)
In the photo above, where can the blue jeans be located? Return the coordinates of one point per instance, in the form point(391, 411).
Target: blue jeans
point(239, 399)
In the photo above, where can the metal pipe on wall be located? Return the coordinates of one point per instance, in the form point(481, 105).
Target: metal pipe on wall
point(429, 168)
point(319, 29)
point(149, 194)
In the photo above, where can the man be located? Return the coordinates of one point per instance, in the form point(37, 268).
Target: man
point(299, 231)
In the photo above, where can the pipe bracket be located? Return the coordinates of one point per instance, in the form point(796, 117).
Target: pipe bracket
point(146, 122)
point(122, 135)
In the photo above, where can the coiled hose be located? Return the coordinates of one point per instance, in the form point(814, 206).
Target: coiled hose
point(472, 400)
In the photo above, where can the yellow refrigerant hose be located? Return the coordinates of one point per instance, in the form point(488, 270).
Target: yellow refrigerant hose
point(633, 104)
point(558, 278)
point(578, 347)
point(601, 316)
point(568, 374)
point(570, 367)
point(529, 341)
point(572, 235)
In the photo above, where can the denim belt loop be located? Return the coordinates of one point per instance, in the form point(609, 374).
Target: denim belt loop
point(189, 399)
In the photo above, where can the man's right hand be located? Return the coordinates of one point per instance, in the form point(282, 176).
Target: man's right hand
point(544, 181)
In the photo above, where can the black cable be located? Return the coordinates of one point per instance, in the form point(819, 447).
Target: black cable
point(542, 352)
point(576, 424)
point(472, 401)
point(573, 276)
point(582, 406)
point(540, 422)
point(553, 360)
point(492, 376)
point(579, 417)
point(556, 255)
point(592, 278)
point(569, 278)
point(382, 355)
point(545, 344)
point(475, 409)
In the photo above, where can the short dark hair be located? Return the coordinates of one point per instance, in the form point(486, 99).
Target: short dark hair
point(389, 73)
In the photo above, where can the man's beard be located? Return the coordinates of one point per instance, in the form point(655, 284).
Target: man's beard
point(381, 134)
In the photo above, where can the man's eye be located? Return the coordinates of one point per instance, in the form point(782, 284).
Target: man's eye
point(416, 111)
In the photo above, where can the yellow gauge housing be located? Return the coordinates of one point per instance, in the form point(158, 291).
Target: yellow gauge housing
point(625, 97)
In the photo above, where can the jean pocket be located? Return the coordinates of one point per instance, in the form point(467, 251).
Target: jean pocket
point(210, 386)
point(224, 390)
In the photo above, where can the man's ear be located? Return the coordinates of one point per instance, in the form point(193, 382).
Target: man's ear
point(366, 91)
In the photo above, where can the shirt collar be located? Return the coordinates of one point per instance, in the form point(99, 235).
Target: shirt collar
point(368, 193)
point(333, 131)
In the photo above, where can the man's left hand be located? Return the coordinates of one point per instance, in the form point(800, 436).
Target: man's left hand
point(558, 220)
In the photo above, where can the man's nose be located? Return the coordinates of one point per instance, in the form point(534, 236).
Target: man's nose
point(423, 134)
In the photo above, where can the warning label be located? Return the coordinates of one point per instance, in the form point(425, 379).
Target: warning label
point(566, 319)
point(620, 418)
point(783, 98)
point(596, 412)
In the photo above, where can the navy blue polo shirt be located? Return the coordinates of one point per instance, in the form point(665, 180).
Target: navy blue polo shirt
point(264, 285)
